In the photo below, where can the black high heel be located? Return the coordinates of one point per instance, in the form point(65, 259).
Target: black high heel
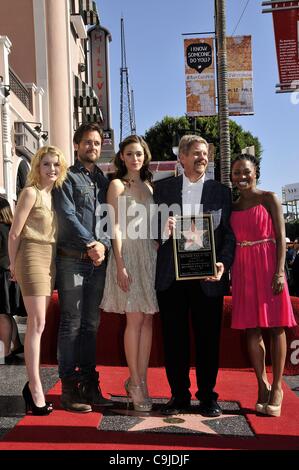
point(18, 350)
point(31, 406)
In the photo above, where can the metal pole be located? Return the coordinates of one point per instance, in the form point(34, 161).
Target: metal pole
point(123, 64)
point(220, 23)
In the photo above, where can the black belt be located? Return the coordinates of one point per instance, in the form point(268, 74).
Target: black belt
point(68, 252)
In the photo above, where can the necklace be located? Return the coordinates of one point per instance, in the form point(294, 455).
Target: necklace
point(129, 181)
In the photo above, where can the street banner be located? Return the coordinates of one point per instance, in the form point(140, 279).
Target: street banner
point(200, 76)
point(286, 30)
point(239, 66)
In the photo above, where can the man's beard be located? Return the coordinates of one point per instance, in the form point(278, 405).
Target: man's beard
point(89, 158)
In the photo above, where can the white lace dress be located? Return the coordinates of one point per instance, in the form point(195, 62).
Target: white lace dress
point(139, 256)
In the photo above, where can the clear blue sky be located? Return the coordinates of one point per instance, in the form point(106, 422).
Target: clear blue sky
point(155, 59)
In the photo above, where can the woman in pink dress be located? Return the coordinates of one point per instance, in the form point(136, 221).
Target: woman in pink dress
point(260, 297)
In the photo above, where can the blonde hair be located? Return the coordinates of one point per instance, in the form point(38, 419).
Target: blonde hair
point(33, 177)
point(188, 140)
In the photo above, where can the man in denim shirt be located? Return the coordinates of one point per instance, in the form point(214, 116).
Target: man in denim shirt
point(81, 266)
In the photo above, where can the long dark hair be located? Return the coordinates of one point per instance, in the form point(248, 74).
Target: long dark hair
point(121, 169)
point(5, 212)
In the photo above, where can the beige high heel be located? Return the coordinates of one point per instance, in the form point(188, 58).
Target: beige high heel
point(274, 410)
point(147, 398)
point(261, 407)
point(132, 392)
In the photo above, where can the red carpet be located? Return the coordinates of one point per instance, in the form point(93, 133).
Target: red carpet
point(69, 431)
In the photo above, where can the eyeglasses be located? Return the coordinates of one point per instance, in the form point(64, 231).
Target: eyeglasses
point(89, 143)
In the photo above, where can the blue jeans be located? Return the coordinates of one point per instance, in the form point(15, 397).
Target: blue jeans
point(80, 287)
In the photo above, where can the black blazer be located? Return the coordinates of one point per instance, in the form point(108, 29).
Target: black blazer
point(216, 200)
point(295, 271)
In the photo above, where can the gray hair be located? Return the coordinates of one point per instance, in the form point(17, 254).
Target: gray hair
point(188, 140)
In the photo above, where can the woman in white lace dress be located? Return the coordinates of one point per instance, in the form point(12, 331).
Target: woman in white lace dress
point(130, 277)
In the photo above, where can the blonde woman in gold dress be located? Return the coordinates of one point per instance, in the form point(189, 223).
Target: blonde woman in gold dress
point(32, 249)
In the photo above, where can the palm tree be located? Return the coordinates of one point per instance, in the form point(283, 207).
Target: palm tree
point(220, 28)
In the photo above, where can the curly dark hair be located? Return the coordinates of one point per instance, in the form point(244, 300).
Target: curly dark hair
point(121, 170)
point(250, 158)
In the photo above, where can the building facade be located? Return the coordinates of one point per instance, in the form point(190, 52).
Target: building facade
point(50, 81)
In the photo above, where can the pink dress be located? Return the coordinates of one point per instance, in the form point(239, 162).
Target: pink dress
point(253, 302)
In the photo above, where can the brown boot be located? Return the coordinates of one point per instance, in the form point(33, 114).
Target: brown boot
point(90, 391)
point(70, 399)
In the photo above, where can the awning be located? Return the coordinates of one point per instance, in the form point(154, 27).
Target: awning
point(86, 99)
point(89, 11)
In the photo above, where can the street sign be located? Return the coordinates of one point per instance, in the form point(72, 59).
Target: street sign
point(291, 192)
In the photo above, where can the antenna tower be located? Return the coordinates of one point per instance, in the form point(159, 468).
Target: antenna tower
point(127, 111)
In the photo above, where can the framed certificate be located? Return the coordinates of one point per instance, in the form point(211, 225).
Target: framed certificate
point(194, 247)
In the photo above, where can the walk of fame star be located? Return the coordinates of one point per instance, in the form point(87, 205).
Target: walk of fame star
point(194, 239)
point(190, 422)
point(229, 423)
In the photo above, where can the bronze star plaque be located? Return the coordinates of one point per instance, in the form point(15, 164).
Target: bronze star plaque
point(194, 247)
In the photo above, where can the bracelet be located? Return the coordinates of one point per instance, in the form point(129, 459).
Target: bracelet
point(278, 275)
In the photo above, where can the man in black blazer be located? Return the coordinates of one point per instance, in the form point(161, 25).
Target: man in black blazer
point(192, 193)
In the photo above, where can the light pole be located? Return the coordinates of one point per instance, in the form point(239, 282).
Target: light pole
point(223, 113)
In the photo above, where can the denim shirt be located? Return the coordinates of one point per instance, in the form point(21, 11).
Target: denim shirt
point(77, 204)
